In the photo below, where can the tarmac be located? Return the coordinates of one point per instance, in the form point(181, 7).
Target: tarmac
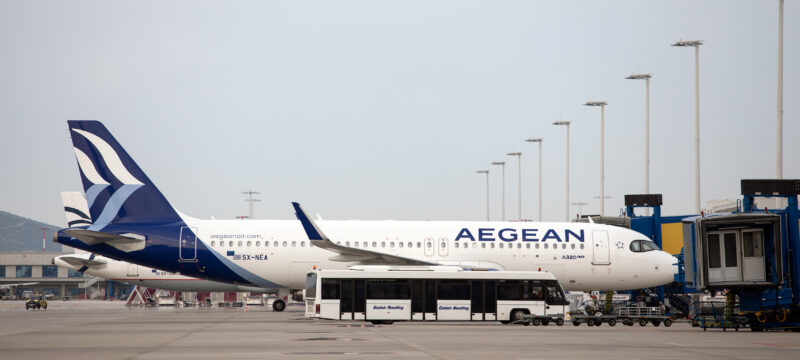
point(110, 330)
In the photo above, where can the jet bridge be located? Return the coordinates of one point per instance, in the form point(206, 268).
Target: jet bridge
point(751, 254)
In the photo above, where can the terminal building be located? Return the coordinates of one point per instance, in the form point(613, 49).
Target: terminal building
point(36, 270)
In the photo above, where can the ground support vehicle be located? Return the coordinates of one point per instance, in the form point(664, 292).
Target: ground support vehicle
point(36, 302)
point(384, 294)
point(537, 320)
point(628, 315)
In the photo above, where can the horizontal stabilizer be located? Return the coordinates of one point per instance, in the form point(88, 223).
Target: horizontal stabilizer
point(81, 261)
point(124, 242)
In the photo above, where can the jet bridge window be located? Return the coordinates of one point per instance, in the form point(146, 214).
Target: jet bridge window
point(643, 246)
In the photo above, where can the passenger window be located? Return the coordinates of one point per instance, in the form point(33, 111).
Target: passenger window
point(347, 243)
point(545, 246)
point(474, 245)
point(212, 243)
point(428, 245)
point(383, 244)
point(302, 244)
point(410, 244)
point(572, 246)
point(483, 245)
point(400, 244)
point(501, 245)
point(230, 243)
point(258, 243)
point(581, 246)
point(563, 246)
point(391, 244)
point(419, 244)
point(519, 245)
point(285, 244)
point(374, 244)
point(491, 245)
point(456, 245)
point(537, 245)
point(528, 245)
point(239, 244)
point(249, 244)
point(275, 244)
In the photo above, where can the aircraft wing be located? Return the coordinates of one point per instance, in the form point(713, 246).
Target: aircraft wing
point(9, 286)
point(124, 242)
point(349, 254)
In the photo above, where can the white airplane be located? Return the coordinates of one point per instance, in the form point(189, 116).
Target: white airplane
point(76, 210)
point(133, 221)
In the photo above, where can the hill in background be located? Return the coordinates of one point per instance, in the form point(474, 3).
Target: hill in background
point(22, 234)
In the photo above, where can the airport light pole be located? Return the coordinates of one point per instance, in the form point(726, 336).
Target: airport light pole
point(539, 140)
point(487, 191)
point(566, 211)
point(503, 187)
point(580, 205)
point(779, 142)
point(250, 193)
point(696, 44)
point(519, 182)
point(602, 105)
point(646, 78)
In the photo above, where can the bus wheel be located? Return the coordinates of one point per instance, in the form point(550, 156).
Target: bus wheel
point(536, 322)
point(517, 315)
point(559, 321)
point(667, 322)
point(642, 322)
point(278, 305)
point(612, 322)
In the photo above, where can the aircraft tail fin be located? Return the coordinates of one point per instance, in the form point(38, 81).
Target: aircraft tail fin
point(117, 190)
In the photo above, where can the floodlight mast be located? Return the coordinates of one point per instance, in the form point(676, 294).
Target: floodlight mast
point(539, 140)
point(580, 205)
point(487, 191)
point(566, 211)
point(503, 188)
point(250, 193)
point(646, 78)
point(519, 183)
point(779, 142)
point(696, 44)
point(602, 105)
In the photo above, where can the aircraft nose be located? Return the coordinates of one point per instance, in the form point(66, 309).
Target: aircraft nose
point(667, 265)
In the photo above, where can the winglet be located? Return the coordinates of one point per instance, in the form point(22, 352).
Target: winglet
point(313, 232)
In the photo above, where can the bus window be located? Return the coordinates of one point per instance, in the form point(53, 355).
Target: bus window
point(388, 289)
point(535, 291)
point(330, 288)
point(510, 290)
point(453, 290)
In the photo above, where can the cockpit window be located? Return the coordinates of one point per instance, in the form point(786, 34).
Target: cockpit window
point(643, 246)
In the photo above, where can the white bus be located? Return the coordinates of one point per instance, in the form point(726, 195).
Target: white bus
point(383, 294)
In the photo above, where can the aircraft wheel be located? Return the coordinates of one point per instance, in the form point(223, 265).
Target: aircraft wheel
point(278, 305)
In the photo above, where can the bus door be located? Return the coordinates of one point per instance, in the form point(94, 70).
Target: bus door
point(490, 300)
point(417, 299)
point(360, 300)
point(477, 300)
point(536, 293)
point(430, 300)
point(347, 301)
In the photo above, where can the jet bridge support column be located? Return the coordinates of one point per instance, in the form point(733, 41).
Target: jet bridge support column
point(653, 201)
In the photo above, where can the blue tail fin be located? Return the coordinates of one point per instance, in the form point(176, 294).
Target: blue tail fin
point(117, 190)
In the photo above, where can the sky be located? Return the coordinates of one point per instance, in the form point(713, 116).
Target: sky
point(385, 109)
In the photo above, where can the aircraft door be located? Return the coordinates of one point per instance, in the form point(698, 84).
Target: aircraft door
point(187, 244)
point(753, 253)
point(429, 244)
point(600, 248)
point(133, 270)
point(442, 246)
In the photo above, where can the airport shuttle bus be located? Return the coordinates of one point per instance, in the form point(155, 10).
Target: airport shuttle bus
point(383, 294)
